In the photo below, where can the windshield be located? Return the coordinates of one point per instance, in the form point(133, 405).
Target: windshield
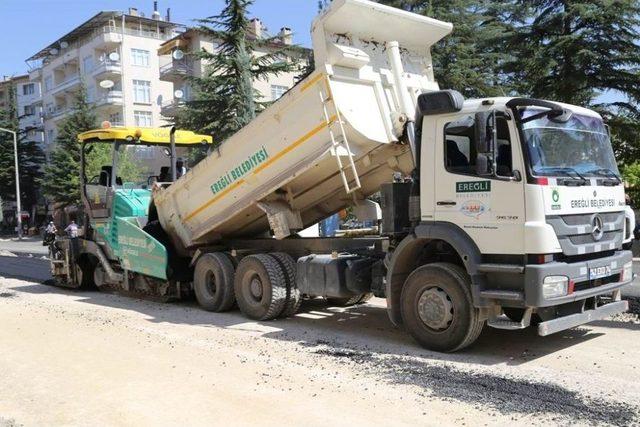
point(580, 146)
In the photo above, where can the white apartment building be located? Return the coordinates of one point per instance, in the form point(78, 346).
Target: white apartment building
point(176, 64)
point(28, 104)
point(114, 55)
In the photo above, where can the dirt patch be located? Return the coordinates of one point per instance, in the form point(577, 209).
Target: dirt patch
point(7, 295)
point(501, 393)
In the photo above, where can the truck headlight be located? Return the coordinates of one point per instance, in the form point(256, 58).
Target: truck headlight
point(627, 272)
point(555, 286)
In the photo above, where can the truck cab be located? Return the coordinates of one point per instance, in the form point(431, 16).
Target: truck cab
point(526, 195)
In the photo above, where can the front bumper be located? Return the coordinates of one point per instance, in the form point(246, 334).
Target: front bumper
point(566, 322)
point(577, 272)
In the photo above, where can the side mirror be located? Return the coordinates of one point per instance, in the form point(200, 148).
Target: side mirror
point(485, 125)
point(484, 165)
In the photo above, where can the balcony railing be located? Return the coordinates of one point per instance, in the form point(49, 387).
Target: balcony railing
point(67, 83)
point(107, 66)
point(112, 97)
point(56, 111)
point(149, 33)
point(176, 69)
point(170, 108)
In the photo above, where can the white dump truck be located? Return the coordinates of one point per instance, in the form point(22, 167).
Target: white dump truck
point(504, 212)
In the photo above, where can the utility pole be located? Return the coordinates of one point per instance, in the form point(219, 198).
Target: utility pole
point(18, 206)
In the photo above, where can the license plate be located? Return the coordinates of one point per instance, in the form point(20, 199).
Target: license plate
point(599, 272)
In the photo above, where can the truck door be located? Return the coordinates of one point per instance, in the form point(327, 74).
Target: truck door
point(490, 209)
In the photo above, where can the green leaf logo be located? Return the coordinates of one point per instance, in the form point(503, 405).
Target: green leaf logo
point(555, 196)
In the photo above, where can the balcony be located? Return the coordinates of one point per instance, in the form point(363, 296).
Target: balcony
point(175, 71)
point(113, 97)
point(56, 112)
point(107, 68)
point(35, 74)
point(171, 108)
point(67, 85)
point(148, 33)
point(107, 36)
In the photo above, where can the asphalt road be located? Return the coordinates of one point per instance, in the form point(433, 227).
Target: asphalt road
point(91, 358)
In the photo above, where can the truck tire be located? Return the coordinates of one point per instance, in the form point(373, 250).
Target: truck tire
point(213, 282)
point(437, 308)
point(260, 287)
point(294, 299)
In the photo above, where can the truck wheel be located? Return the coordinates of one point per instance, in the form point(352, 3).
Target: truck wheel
point(437, 308)
point(213, 282)
point(260, 286)
point(294, 299)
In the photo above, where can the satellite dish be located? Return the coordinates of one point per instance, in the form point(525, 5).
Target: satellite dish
point(64, 45)
point(178, 94)
point(54, 51)
point(114, 56)
point(107, 84)
point(178, 54)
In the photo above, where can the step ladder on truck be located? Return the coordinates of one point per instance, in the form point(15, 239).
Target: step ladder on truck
point(506, 212)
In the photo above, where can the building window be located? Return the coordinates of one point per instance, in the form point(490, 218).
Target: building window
point(28, 89)
point(143, 119)
point(29, 110)
point(115, 119)
point(142, 91)
point(140, 57)
point(48, 83)
point(277, 91)
point(87, 64)
point(51, 136)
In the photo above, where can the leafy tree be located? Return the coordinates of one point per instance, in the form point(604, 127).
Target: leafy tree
point(30, 158)
point(224, 97)
point(465, 60)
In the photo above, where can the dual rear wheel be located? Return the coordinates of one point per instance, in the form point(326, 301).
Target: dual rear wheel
point(263, 285)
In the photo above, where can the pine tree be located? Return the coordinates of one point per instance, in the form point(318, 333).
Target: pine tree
point(30, 158)
point(464, 60)
point(573, 50)
point(61, 182)
point(224, 97)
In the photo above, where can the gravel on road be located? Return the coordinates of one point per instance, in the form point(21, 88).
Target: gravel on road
point(79, 358)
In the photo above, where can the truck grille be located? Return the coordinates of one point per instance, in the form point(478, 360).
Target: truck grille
point(575, 232)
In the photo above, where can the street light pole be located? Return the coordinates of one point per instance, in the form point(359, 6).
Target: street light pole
point(18, 206)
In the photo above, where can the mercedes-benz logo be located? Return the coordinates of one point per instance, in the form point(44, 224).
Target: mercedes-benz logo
point(597, 230)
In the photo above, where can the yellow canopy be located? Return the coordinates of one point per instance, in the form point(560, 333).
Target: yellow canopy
point(144, 136)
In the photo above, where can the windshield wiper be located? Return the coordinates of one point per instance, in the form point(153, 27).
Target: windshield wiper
point(606, 172)
point(567, 172)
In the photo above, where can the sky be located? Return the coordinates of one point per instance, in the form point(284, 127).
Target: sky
point(30, 25)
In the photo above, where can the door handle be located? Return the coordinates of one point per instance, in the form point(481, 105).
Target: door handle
point(446, 203)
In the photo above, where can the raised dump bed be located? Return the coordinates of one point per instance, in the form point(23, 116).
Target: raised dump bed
point(330, 141)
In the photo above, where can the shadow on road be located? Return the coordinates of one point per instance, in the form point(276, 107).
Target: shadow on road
point(361, 328)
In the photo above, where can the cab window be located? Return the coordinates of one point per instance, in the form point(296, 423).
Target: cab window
point(460, 152)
